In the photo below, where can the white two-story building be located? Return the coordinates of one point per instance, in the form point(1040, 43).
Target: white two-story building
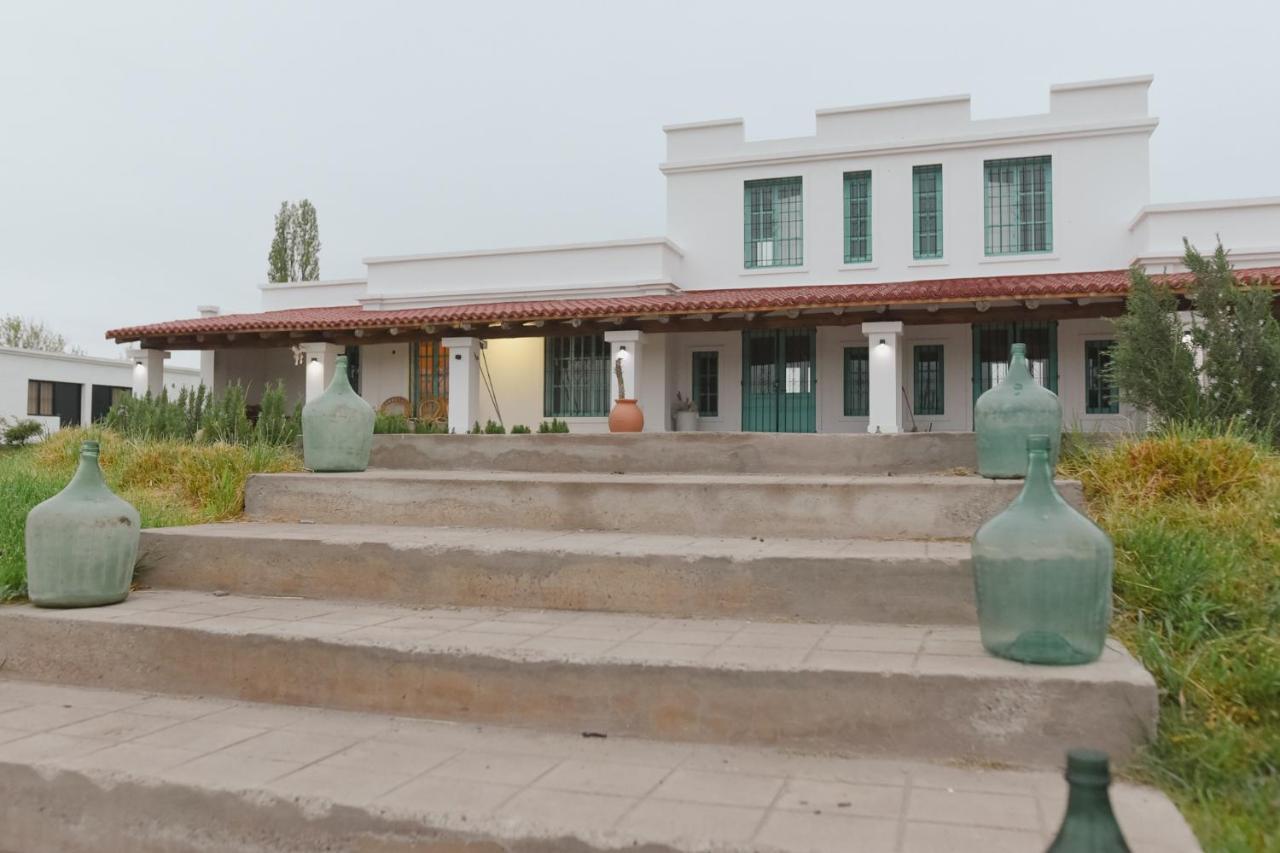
point(871, 277)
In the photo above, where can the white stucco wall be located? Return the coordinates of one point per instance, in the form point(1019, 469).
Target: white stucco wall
point(384, 372)
point(257, 368)
point(17, 367)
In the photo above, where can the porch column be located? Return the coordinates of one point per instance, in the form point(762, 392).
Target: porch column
point(148, 371)
point(319, 361)
point(207, 355)
point(884, 375)
point(464, 382)
point(625, 344)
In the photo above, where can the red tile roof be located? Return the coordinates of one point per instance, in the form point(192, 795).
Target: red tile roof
point(758, 299)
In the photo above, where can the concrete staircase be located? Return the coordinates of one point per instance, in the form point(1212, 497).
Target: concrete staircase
point(670, 596)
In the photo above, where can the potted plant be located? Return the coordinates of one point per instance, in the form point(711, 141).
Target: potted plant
point(626, 415)
point(686, 412)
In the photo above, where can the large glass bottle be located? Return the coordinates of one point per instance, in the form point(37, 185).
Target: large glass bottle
point(82, 542)
point(337, 427)
point(1043, 574)
point(1089, 825)
point(1007, 413)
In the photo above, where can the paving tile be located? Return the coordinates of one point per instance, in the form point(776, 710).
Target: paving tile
point(433, 795)
point(696, 825)
point(774, 639)
point(686, 635)
point(7, 735)
point(49, 747)
point(570, 810)
point(899, 645)
point(229, 771)
point(397, 758)
point(511, 626)
point(828, 833)
point(502, 769)
point(289, 610)
point(43, 718)
point(1010, 811)
point(847, 798)
point(259, 716)
point(754, 656)
point(859, 661)
point(567, 646)
point(305, 628)
point(200, 735)
point(33, 693)
point(163, 618)
point(933, 837)
point(604, 777)
point(592, 631)
point(346, 785)
point(356, 617)
point(659, 653)
point(117, 726)
point(728, 789)
point(133, 758)
point(217, 606)
point(238, 624)
point(473, 641)
point(944, 646)
point(284, 745)
point(178, 708)
point(348, 724)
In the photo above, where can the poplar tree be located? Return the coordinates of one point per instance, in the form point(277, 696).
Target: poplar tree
point(295, 246)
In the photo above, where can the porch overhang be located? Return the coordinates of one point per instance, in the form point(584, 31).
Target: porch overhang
point(1053, 296)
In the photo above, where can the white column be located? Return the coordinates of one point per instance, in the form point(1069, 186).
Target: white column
point(207, 355)
point(464, 382)
point(148, 371)
point(884, 375)
point(625, 344)
point(319, 361)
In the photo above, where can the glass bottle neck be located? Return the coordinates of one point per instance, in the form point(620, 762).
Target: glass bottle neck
point(1039, 481)
point(89, 471)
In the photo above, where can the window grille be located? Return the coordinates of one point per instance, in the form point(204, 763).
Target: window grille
point(857, 382)
point(926, 211)
point(929, 379)
point(1019, 206)
point(774, 226)
point(575, 377)
point(857, 217)
point(706, 383)
point(1102, 396)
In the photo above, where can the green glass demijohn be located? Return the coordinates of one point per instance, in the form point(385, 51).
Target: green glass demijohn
point(1089, 825)
point(1007, 413)
point(82, 542)
point(337, 427)
point(1042, 573)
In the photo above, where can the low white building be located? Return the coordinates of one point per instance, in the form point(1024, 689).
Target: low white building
point(872, 276)
point(57, 389)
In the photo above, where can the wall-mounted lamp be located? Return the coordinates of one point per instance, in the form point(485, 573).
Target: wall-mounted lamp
point(314, 359)
point(882, 342)
point(622, 351)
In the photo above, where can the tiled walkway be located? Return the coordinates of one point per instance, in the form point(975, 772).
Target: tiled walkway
point(509, 783)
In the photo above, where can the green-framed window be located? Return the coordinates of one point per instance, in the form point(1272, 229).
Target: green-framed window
point(1101, 395)
point(929, 379)
point(857, 217)
point(857, 382)
point(926, 211)
point(1018, 196)
point(773, 230)
point(575, 377)
point(706, 383)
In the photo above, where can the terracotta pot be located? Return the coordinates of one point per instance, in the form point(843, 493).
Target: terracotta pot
point(626, 417)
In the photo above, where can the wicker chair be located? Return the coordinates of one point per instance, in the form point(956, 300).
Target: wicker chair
point(396, 406)
point(433, 410)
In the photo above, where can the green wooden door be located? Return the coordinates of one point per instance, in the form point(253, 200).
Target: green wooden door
point(993, 346)
point(779, 380)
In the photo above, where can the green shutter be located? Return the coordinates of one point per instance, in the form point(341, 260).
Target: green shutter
point(929, 379)
point(773, 227)
point(926, 211)
point(706, 383)
point(857, 217)
point(1101, 395)
point(575, 377)
point(857, 382)
point(1018, 205)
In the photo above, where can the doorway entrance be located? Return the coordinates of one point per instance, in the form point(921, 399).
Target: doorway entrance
point(993, 346)
point(779, 380)
point(429, 382)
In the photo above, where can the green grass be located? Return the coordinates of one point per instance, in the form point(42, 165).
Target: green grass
point(170, 482)
point(1196, 523)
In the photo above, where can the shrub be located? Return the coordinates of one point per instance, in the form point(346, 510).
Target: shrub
point(274, 426)
point(390, 422)
point(225, 418)
point(553, 425)
point(520, 429)
point(149, 418)
point(428, 428)
point(494, 428)
point(20, 432)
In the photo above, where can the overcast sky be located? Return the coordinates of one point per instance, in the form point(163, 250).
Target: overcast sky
point(144, 147)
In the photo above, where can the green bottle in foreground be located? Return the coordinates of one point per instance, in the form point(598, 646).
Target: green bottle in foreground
point(1090, 825)
point(337, 427)
point(82, 542)
point(1006, 414)
point(1042, 574)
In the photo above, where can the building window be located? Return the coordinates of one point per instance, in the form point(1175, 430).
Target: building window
point(575, 377)
point(103, 397)
point(928, 379)
point(54, 399)
point(1019, 206)
point(926, 211)
point(857, 217)
point(39, 398)
point(857, 383)
point(774, 227)
point(706, 383)
point(1101, 395)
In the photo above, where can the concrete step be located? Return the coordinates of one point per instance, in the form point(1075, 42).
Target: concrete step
point(104, 770)
point(823, 580)
point(916, 507)
point(904, 691)
point(683, 453)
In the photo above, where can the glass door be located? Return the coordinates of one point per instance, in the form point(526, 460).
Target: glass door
point(779, 380)
point(993, 346)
